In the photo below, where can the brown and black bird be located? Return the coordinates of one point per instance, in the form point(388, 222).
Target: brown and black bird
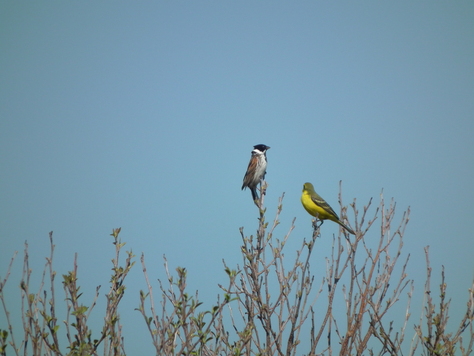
point(256, 170)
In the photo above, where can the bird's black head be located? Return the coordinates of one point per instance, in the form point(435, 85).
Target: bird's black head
point(261, 147)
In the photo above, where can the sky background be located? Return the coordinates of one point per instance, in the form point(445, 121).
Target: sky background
point(142, 115)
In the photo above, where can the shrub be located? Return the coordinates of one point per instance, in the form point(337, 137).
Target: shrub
point(270, 305)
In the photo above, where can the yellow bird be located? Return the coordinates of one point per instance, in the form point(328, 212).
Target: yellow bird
point(317, 207)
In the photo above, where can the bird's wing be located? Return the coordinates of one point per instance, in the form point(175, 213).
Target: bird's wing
point(322, 203)
point(250, 171)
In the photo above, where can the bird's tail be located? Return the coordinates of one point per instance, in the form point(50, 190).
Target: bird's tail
point(346, 227)
point(254, 193)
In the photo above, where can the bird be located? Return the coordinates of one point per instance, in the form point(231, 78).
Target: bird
point(317, 207)
point(256, 169)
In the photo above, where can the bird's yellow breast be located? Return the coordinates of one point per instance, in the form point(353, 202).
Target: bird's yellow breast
point(312, 208)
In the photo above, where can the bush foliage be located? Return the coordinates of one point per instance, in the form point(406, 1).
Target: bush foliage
point(270, 305)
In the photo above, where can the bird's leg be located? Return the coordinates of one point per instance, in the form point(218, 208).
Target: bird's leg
point(321, 223)
point(315, 223)
point(263, 187)
point(316, 228)
point(263, 191)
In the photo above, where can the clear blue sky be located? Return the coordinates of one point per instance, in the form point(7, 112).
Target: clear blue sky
point(143, 115)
